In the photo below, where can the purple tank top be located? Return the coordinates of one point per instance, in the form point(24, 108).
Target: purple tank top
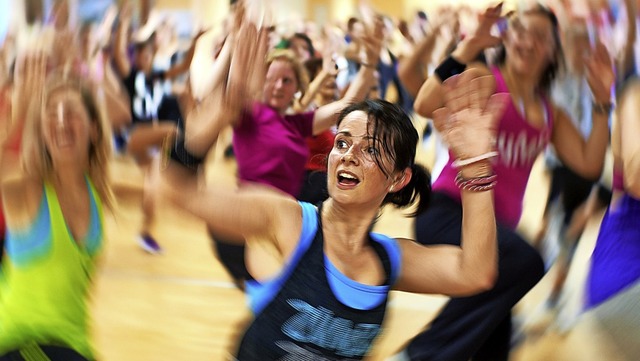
point(271, 149)
point(518, 146)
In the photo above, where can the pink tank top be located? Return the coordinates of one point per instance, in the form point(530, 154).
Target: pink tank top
point(618, 180)
point(518, 146)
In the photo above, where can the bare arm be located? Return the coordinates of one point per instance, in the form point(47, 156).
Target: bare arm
point(627, 58)
point(430, 97)
point(315, 85)
point(327, 115)
point(587, 157)
point(412, 70)
point(184, 65)
point(629, 147)
point(245, 214)
point(20, 192)
point(123, 66)
point(467, 123)
point(451, 270)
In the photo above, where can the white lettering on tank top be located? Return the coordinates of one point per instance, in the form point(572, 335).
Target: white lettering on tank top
point(516, 150)
point(145, 102)
point(320, 327)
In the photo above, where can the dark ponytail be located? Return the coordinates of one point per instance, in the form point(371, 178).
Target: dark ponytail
point(418, 187)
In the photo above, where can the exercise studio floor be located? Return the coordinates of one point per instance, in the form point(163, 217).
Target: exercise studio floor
point(181, 305)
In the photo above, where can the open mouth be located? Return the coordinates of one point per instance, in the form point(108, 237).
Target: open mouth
point(64, 137)
point(347, 179)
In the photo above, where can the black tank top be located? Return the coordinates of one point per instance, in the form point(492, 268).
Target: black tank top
point(305, 320)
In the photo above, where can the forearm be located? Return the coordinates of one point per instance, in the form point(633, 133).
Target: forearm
point(120, 52)
point(327, 115)
point(430, 96)
point(362, 83)
point(595, 147)
point(312, 91)
point(201, 142)
point(479, 257)
point(629, 128)
point(412, 70)
point(626, 61)
point(184, 65)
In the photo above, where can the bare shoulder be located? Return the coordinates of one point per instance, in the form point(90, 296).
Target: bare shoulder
point(21, 199)
point(288, 225)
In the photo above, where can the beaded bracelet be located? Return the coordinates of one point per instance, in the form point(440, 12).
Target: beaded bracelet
point(477, 184)
point(462, 162)
point(481, 188)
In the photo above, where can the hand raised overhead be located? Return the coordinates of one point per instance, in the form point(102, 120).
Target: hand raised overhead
point(468, 120)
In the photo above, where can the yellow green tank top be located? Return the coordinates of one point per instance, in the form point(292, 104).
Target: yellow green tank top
point(47, 277)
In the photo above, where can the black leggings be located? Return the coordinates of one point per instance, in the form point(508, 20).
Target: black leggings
point(573, 189)
point(476, 327)
point(53, 353)
point(232, 258)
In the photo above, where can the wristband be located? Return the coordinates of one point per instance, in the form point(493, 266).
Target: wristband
point(449, 68)
point(462, 162)
point(603, 108)
point(181, 155)
point(367, 65)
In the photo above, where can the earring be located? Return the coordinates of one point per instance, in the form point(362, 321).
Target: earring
point(391, 188)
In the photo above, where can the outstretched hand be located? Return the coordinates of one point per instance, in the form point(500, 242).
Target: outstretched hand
point(600, 74)
point(240, 73)
point(30, 76)
point(468, 121)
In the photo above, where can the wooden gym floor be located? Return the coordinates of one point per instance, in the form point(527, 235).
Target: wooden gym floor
point(181, 305)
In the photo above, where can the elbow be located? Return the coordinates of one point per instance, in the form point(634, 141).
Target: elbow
point(591, 171)
point(422, 107)
point(489, 280)
point(484, 281)
point(479, 282)
point(632, 183)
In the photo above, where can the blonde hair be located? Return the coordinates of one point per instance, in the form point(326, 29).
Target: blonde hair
point(36, 160)
point(298, 68)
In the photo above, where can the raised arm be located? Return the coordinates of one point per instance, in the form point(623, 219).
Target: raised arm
point(468, 125)
point(184, 65)
point(625, 145)
point(586, 157)
point(328, 70)
point(245, 213)
point(626, 62)
point(327, 115)
point(412, 70)
point(430, 97)
point(30, 74)
point(120, 58)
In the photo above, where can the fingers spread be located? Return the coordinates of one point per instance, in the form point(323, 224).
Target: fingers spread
point(495, 108)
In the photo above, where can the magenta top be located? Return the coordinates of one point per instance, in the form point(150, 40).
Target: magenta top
point(618, 179)
point(271, 149)
point(518, 145)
